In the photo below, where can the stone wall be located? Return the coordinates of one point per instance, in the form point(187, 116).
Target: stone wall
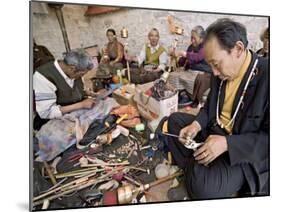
point(90, 30)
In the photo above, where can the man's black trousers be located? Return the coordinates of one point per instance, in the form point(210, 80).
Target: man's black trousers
point(217, 180)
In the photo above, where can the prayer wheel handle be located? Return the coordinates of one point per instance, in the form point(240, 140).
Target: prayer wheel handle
point(164, 179)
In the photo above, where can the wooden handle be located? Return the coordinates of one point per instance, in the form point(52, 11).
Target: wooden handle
point(129, 72)
point(50, 173)
point(122, 118)
point(164, 179)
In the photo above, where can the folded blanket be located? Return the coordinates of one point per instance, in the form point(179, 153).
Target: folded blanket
point(57, 135)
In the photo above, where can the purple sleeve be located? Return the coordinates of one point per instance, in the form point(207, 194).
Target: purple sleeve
point(195, 57)
point(182, 61)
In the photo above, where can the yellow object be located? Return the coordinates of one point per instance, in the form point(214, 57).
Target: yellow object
point(165, 127)
point(230, 94)
point(122, 118)
point(125, 81)
point(106, 124)
point(169, 157)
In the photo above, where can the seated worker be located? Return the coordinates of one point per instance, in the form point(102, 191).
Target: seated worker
point(263, 52)
point(41, 55)
point(234, 123)
point(113, 53)
point(58, 87)
point(153, 57)
point(193, 58)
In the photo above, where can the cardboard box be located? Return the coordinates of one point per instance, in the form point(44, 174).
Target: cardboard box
point(125, 95)
point(152, 109)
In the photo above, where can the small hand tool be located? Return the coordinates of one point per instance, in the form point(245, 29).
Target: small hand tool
point(189, 143)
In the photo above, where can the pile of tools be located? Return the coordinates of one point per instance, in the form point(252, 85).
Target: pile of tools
point(109, 173)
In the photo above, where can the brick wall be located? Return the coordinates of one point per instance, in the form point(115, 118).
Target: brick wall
point(89, 30)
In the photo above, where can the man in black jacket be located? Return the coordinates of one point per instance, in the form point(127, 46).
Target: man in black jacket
point(234, 123)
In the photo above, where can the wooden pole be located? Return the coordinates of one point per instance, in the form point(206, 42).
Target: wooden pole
point(69, 190)
point(76, 172)
point(61, 187)
point(50, 173)
point(107, 164)
point(164, 179)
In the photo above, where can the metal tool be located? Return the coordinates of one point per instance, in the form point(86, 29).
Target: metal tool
point(137, 146)
point(189, 143)
point(105, 130)
point(104, 95)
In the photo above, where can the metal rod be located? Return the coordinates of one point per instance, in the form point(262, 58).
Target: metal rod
point(172, 135)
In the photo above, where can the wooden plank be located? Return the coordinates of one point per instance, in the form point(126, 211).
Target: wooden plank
point(94, 10)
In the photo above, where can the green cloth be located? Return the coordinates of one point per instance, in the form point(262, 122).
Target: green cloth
point(153, 58)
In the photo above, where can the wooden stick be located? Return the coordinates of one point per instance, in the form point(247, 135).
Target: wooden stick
point(71, 189)
point(129, 72)
point(164, 179)
point(91, 182)
point(61, 187)
point(127, 63)
point(50, 173)
point(68, 185)
point(46, 204)
point(83, 174)
point(55, 186)
point(107, 164)
point(80, 170)
point(75, 173)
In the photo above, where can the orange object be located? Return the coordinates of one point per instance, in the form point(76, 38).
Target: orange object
point(165, 127)
point(115, 79)
point(132, 118)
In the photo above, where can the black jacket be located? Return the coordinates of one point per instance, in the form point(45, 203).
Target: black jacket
point(249, 143)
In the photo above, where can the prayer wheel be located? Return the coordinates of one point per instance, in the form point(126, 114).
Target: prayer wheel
point(125, 194)
point(124, 33)
point(179, 30)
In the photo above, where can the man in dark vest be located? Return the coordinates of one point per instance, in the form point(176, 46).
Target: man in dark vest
point(58, 87)
point(152, 60)
point(234, 123)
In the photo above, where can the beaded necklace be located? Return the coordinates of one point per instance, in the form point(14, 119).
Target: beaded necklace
point(231, 122)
